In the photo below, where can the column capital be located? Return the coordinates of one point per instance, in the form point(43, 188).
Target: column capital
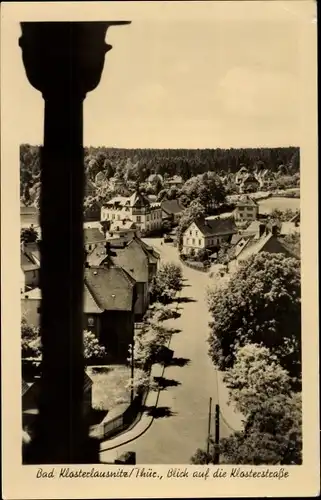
point(65, 57)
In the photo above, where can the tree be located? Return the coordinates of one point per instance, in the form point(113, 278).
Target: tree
point(260, 305)
point(255, 377)
point(272, 435)
point(167, 282)
point(29, 235)
point(30, 341)
point(293, 243)
point(92, 349)
point(148, 343)
point(193, 212)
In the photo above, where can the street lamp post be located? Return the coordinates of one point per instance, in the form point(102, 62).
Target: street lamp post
point(64, 61)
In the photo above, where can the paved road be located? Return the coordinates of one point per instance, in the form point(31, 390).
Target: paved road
point(184, 404)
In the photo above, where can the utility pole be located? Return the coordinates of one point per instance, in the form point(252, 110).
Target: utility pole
point(209, 427)
point(217, 434)
point(131, 360)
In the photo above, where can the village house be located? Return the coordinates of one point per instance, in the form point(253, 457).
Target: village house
point(124, 230)
point(176, 181)
point(146, 215)
point(246, 210)
point(267, 242)
point(109, 301)
point(134, 259)
point(249, 184)
point(208, 234)
point(30, 267)
point(171, 211)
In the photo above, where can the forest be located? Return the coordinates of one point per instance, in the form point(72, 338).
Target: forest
point(135, 165)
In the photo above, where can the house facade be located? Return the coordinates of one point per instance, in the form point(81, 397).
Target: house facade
point(146, 215)
point(207, 234)
point(246, 210)
point(249, 184)
point(134, 259)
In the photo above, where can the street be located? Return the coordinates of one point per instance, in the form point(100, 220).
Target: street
point(183, 406)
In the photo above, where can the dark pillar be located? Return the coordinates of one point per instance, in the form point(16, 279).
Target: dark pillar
point(64, 61)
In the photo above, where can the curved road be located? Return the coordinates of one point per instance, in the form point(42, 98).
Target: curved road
point(174, 437)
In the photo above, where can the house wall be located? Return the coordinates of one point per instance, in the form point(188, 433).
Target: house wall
point(117, 332)
point(32, 278)
point(30, 309)
point(146, 219)
point(246, 213)
point(142, 300)
point(193, 239)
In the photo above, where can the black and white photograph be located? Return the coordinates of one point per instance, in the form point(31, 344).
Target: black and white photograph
point(156, 178)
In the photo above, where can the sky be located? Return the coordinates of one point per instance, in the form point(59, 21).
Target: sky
point(187, 82)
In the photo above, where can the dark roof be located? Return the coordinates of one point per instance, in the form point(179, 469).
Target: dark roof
point(111, 287)
point(153, 256)
point(216, 227)
point(33, 250)
point(246, 200)
point(171, 207)
point(133, 259)
point(93, 235)
point(87, 381)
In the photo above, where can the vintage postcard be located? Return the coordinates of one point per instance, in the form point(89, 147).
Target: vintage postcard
point(159, 222)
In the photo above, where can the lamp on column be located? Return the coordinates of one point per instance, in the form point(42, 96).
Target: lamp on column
point(63, 61)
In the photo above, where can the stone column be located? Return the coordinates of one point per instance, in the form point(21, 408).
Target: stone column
point(63, 61)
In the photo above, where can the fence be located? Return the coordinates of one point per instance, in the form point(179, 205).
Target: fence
point(121, 420)
point(198, 266)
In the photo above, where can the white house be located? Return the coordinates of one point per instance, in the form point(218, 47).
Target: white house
point(207, 234)
point(146, 215)
point(246, 210)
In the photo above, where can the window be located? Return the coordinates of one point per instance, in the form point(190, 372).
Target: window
point(193, 241)
point(199, 242)
point(190, 233)
point(118, 217)
point(138, 218)
point(113, 216)
point(90, 322)
point(147, 217)
point(187, 241)
point(196, 233)
point(241, 209)
point(89, 247)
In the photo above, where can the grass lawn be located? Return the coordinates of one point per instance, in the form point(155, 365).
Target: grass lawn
point(109, 386)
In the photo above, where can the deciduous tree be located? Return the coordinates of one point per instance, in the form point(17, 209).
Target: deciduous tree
point(260, 305)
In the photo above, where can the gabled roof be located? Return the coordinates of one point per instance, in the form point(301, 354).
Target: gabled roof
point(250, 178)
point(153, 256)
point(246, 200)
point(111, 287)
point(215, 227)
point(93, 235)
point(133, 259)
point(253, 247)
point(27, 262)
point(138, 200)
point(171, 207)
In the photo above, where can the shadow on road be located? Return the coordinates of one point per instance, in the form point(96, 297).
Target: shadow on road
point(178, 362)
point(166, 382)
point(159, 412)
point(184, 300)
